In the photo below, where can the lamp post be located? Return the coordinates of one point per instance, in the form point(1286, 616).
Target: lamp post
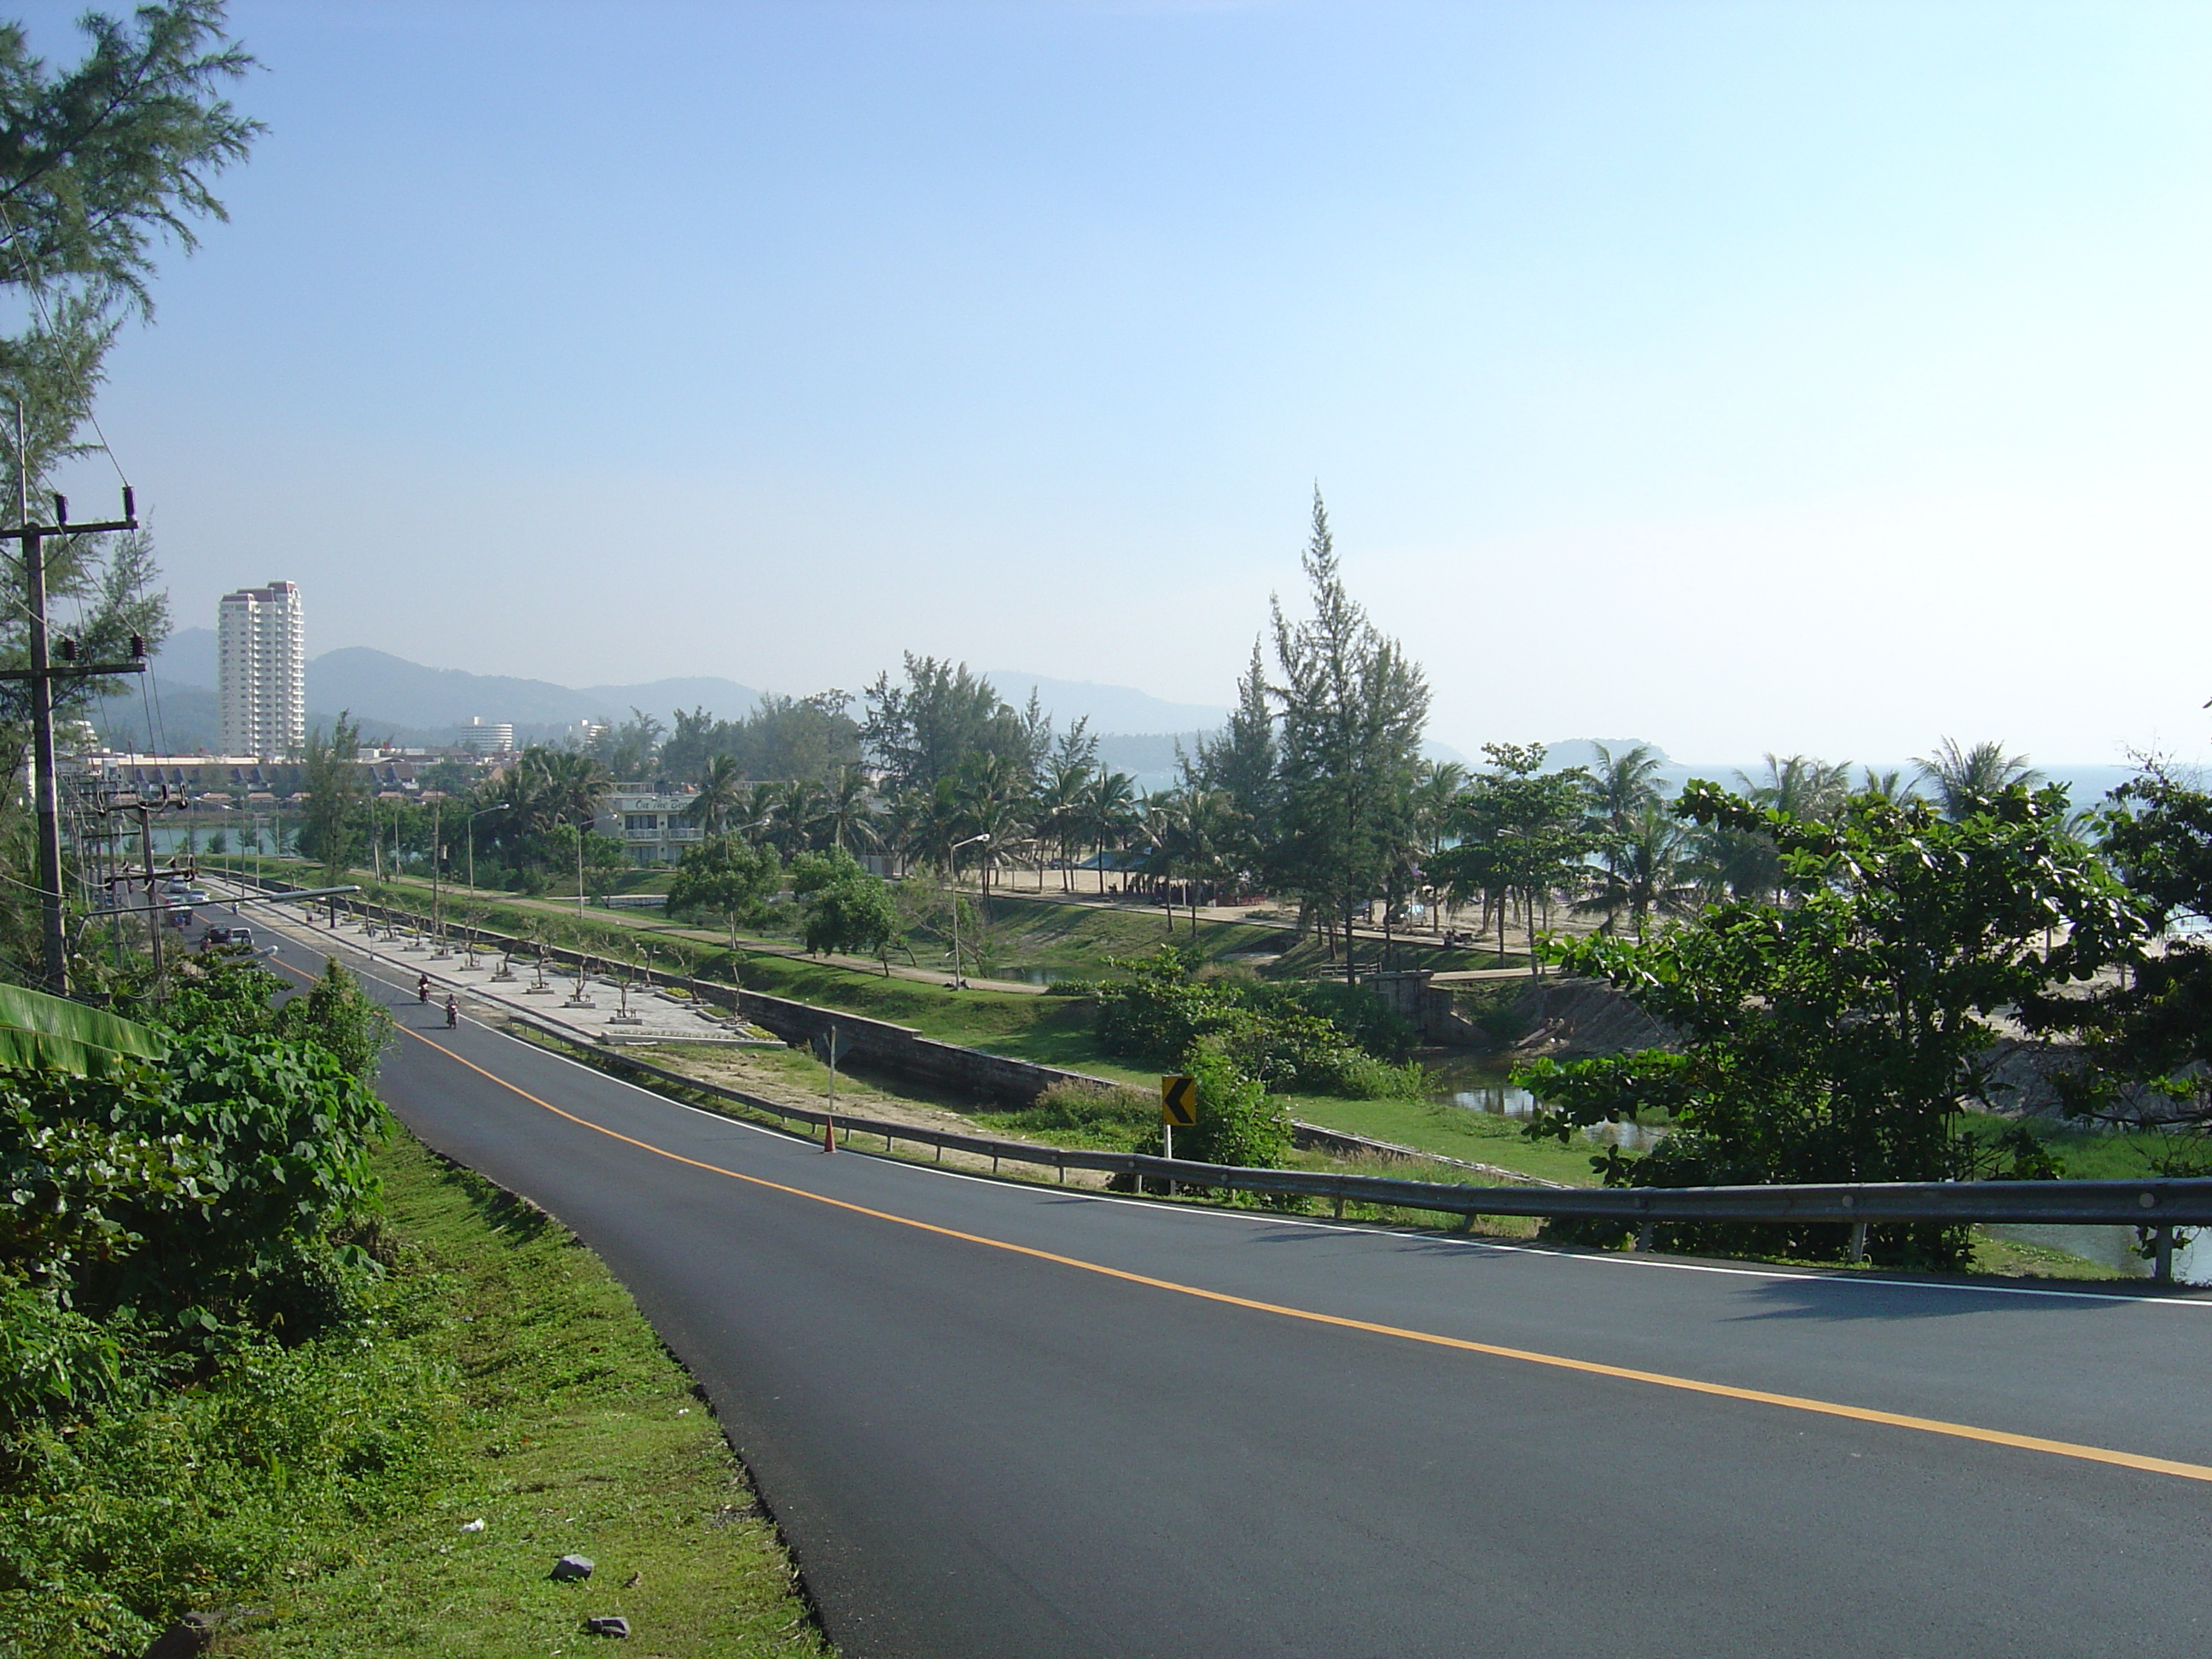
point(583, 829)
point(499, 806)
point(953, 859)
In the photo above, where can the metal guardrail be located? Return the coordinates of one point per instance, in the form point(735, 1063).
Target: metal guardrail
point(2160, 1205)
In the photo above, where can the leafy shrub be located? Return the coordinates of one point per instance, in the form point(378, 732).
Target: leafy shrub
point(116, 1521)
point(1107, 1116)
point(1289, 1039)
point(1083, 1106)
point(1237, 1123)
point(1364, 1018)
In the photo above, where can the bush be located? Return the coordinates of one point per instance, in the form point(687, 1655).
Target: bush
point(1084, 1106)
point(1304, 1038)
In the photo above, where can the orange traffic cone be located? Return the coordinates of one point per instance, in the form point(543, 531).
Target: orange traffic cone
point(829, 1134)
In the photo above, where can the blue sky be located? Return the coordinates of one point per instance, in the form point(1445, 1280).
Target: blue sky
point(1785, 377)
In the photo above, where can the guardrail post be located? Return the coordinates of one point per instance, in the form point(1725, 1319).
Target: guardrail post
point(2162, 1256)
point(1644, 1236)
point(1858, 1242)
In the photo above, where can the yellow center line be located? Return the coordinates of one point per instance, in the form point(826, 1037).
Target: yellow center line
point(1560, 1362)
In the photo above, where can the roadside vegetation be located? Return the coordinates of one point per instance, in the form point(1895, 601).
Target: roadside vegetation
point(253, 1355)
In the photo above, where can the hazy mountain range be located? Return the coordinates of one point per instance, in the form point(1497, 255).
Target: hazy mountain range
point(409, 703)
point(406, 702)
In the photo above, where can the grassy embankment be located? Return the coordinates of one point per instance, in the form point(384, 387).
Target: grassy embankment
point(554, 1416)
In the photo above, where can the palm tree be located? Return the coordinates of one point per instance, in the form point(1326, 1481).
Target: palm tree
point(760, 815)
point(801, 814)
point(1110, 815)
point(1746, 862)
point(721, 795)
point(1644, 869)
point(848, 811)
point(1808, 788)
point(1890, 784)
point(1622, 784)
point(1964, 779)
point(925, 822)
point(993, 802)
point(1060, 813)
point(1621, 792)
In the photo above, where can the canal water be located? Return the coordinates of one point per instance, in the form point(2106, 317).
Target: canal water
point(1482, 1086)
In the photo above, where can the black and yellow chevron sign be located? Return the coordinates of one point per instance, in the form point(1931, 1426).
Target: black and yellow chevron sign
point(1179, 1100)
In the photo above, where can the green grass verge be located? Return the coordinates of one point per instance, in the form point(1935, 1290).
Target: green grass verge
point(1027, 937)
point(568, 1429)
point(2007, 1258)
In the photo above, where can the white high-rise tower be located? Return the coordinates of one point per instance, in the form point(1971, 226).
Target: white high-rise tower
point(261, 672)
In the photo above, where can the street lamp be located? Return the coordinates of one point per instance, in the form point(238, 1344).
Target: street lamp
point(583, 829)
point(953, 859)
point(498, 807)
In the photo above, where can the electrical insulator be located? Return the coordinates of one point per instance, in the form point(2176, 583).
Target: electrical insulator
point(69, 650)
point(137, 647)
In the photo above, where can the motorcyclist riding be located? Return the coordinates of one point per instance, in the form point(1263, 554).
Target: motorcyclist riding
point(423, 988)
point(453, 1013)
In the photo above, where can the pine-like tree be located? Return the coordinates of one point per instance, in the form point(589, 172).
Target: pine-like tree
point(1353, 709)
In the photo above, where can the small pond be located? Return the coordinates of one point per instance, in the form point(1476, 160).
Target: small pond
point(1481, 1085)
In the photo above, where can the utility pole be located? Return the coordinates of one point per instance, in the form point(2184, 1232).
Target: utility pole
point(41, 675)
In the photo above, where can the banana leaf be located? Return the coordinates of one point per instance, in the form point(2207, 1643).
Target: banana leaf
point(40, 1032)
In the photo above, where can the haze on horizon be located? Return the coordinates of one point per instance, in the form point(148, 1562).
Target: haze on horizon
point(1785, 377)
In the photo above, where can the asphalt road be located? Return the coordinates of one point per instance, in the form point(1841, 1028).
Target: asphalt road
point(975, 1450)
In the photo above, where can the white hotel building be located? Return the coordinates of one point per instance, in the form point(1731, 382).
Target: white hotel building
point(261, 672)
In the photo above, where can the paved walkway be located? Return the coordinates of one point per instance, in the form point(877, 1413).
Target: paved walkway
point(595, 1008)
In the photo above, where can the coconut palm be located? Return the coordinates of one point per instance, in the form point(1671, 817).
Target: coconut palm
point(1805, 787)
point(1110, 814)
point(1646, 870)
point(994, 799)
point(722, 796)
point(1622, 784)
point(848, 811)
point(1060, 813)
point(1963, 779)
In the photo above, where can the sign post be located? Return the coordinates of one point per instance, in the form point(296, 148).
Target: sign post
point(1178, 1109)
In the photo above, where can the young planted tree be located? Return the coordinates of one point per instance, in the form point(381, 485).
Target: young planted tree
point(726, 878)
point(844, 908)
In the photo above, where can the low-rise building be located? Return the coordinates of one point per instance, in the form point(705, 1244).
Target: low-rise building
point(650, 822)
